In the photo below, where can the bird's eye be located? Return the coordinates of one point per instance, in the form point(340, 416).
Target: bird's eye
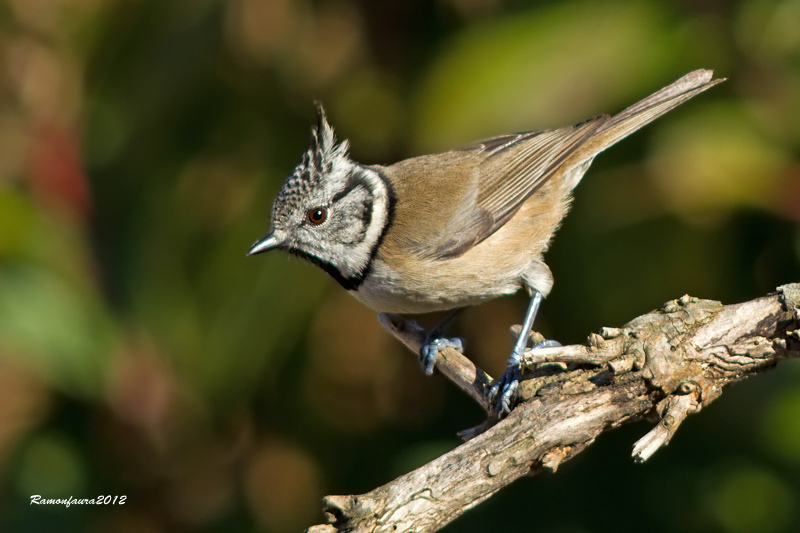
point(317, 215)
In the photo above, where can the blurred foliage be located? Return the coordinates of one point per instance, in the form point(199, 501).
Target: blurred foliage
point(141, 353)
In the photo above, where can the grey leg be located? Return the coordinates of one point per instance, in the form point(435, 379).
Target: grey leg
point(527, 325)
point(506, 386)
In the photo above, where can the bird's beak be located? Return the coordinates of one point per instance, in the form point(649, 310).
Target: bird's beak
point(264, 245)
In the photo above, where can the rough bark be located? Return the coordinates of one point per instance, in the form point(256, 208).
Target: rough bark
point(664, 365)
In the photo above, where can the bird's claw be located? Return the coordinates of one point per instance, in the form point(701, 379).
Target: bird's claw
point(547, 344)
point(504, 389)
point(431, 349)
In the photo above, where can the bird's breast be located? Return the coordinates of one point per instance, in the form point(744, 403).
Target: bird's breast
point(404, 284)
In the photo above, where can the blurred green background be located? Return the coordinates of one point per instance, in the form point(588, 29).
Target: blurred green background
point(142, 354)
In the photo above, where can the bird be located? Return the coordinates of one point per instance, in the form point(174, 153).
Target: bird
point(450, 230)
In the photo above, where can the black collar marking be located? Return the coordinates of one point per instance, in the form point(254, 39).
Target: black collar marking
point(349, 284)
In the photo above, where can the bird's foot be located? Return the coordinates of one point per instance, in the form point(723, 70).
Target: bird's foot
point(503, 392)
point(547, 343)
point(433, 347)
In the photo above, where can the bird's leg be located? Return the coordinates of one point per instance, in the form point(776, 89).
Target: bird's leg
point(435, 343)
point(505, 387)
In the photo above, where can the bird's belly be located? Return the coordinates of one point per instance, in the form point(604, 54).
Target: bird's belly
point(437, 288)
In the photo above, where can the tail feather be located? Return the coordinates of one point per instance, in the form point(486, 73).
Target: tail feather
point(641, 113)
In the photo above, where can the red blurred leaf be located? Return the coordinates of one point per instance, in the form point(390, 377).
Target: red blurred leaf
point(57, 173)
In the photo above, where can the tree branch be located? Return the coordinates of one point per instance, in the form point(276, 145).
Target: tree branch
point(665, 365)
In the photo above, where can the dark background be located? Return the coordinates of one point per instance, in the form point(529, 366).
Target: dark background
point(142, 354)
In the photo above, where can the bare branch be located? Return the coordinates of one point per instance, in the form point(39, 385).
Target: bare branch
point(669, 363)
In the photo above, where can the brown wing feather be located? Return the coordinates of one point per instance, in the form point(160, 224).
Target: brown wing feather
point(510, 175)
point(512, 168)
point(486, 185)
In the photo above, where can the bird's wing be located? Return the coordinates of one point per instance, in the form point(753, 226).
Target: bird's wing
point(515, 166)
point(510, 169)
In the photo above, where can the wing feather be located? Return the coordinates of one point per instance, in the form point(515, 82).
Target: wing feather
point(512, 169)
point(499, 174)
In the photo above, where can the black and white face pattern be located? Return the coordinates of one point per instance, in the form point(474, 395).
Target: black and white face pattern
point(332, 211)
